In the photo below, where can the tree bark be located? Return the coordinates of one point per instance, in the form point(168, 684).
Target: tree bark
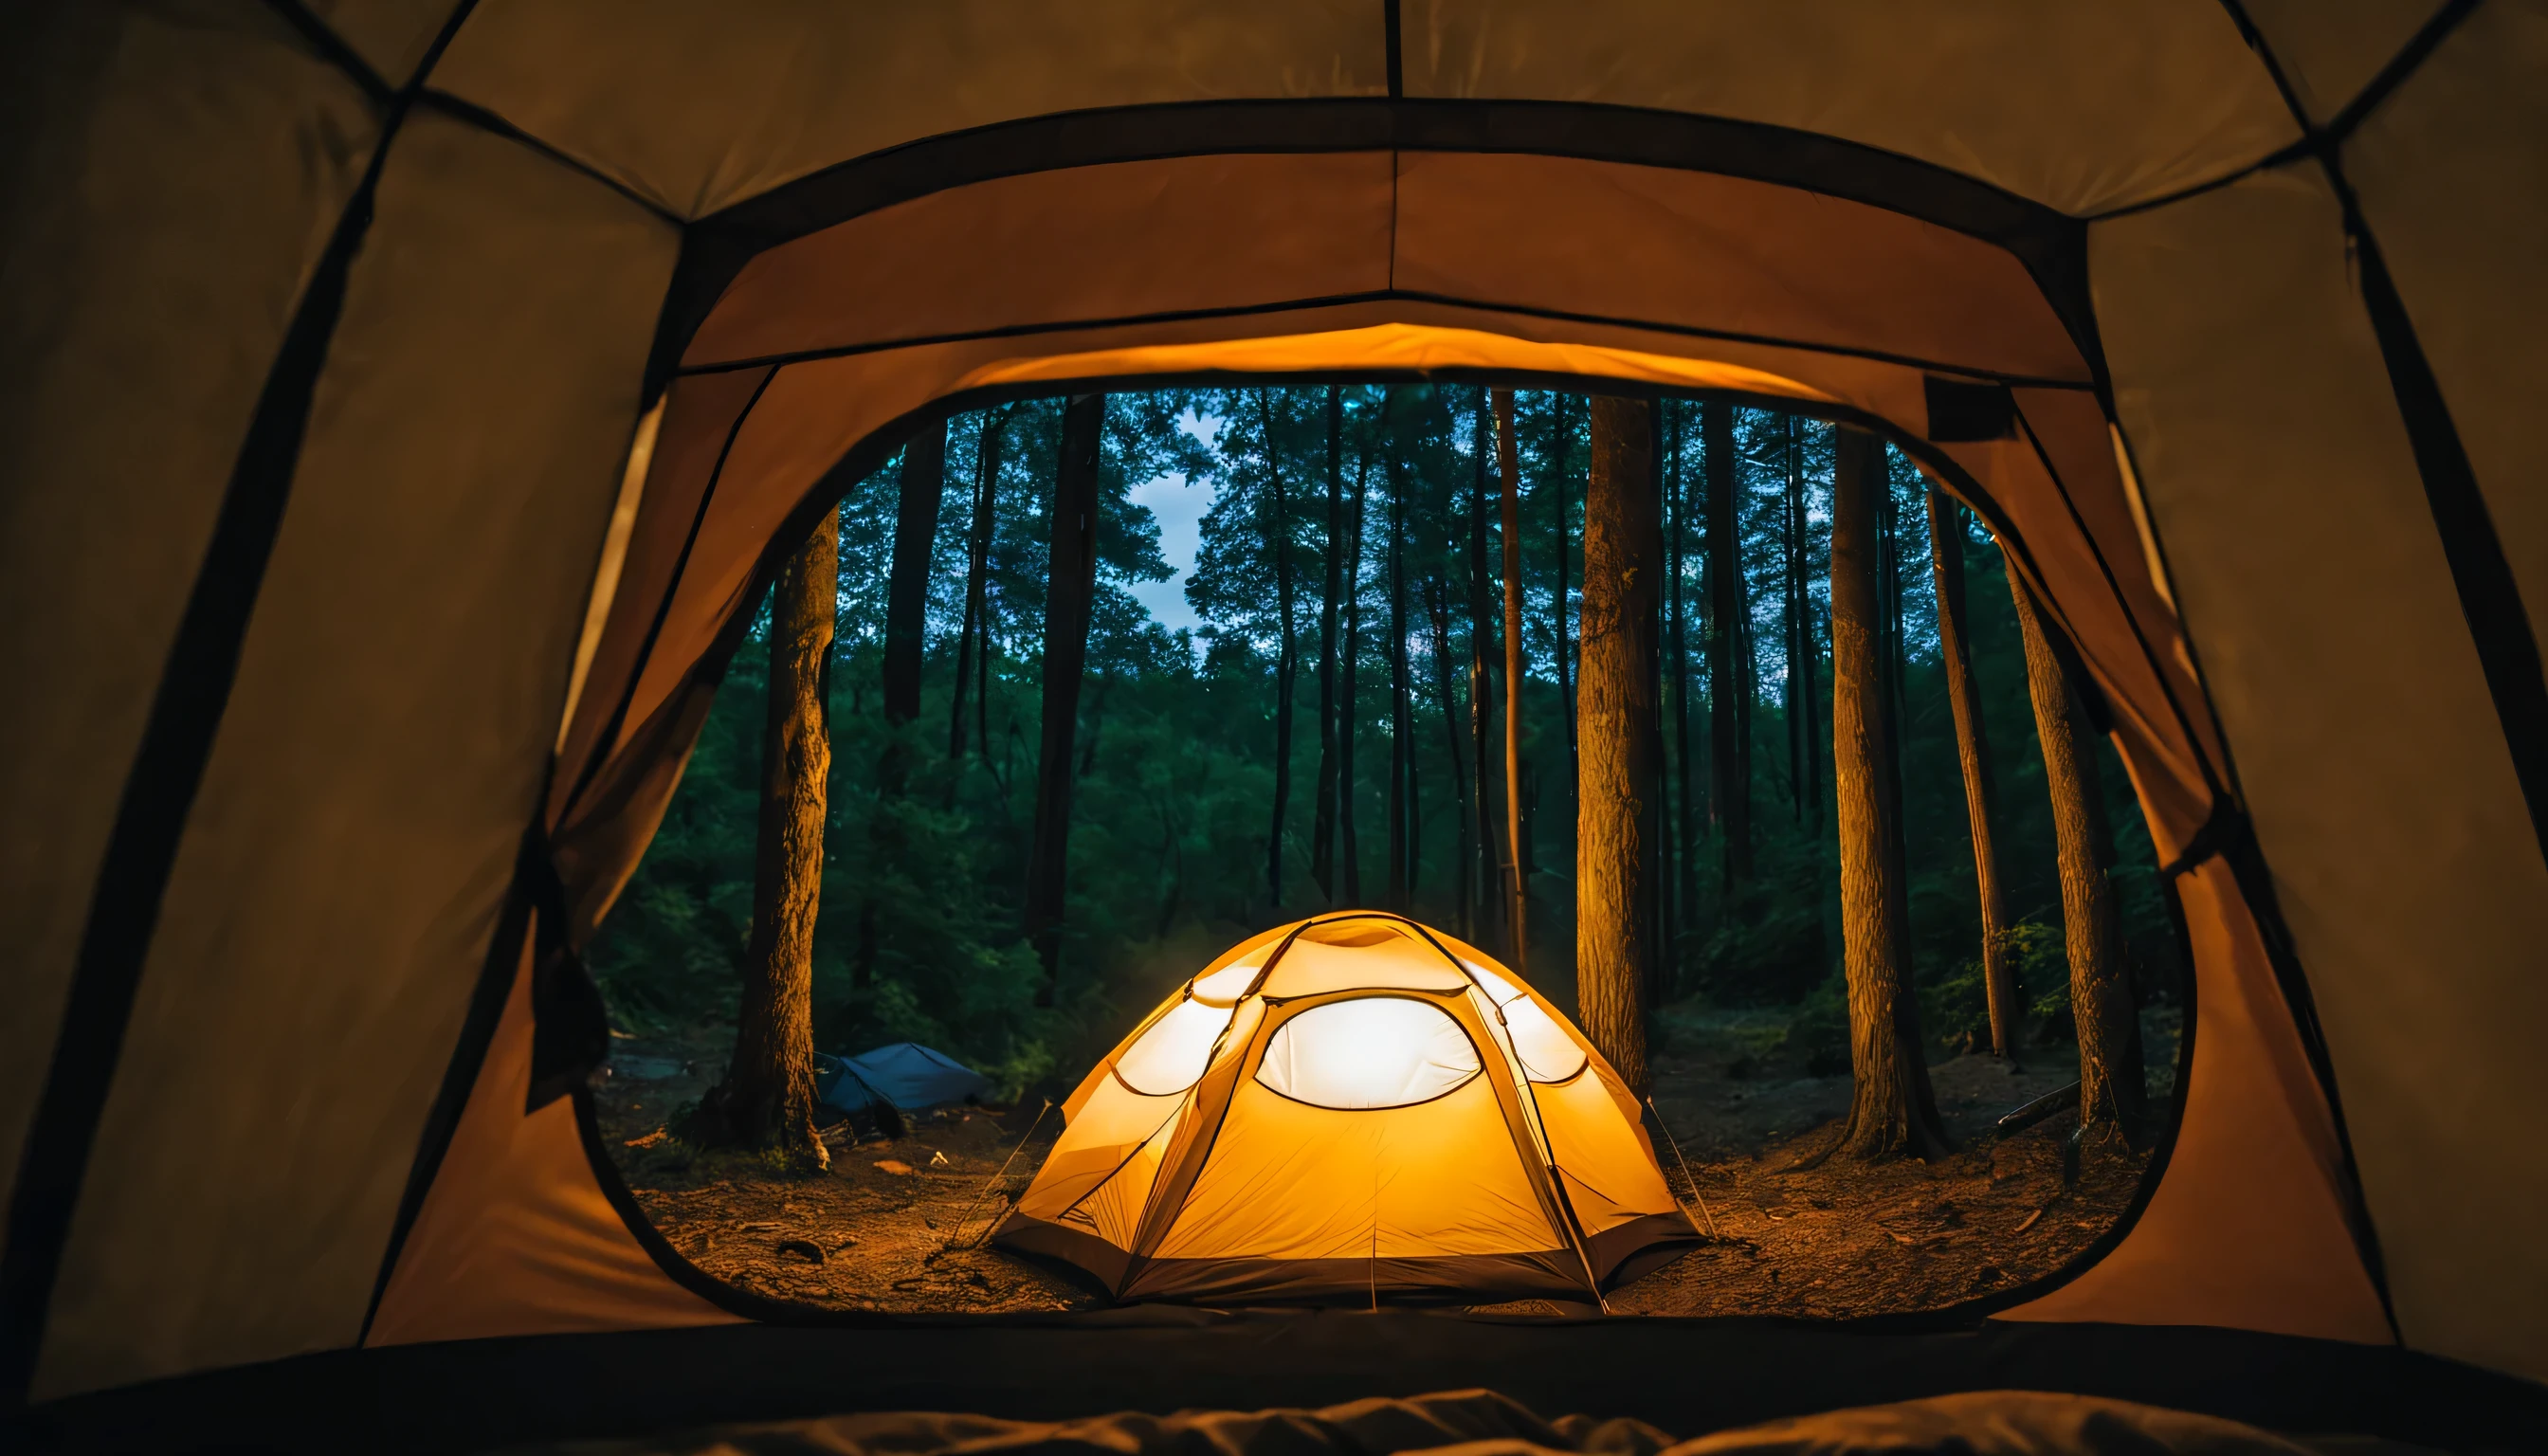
point(1434, 592)
point(1349, 708)
point(1402, 728)
point(1792, 625)
point(767, 1100)
point(1322, 818)
point(1809, 641)
point(1891, 1109)
point(1973, 749)
point(1518, 882)
point(1622, 557)
point(906, 597)
point(1560, 440)
point(1685, 879)
point(1727, 682)
point(1482, 685)
point(986, 484)
point(2101, 998)
point(1278, 532)
point(1071, 587)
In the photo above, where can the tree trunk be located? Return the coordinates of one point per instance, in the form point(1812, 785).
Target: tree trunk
point(2101, 999)
point(1435, 592)
point(1792, 627)
point(1622, 555)
point(1322, 818)
point(1072, 585)
point(767, 1100)
point(1482, 685)
point(1972, 747)
point(986, 484)
point(1560, 438)
point(1891, 1109)
point(1727, 682)
point(1278, 532)
point(1401, 727)
point(906, 597)
point(1809, 644)
point(1518, 862)
point(1685, 880)
point(1349, 706)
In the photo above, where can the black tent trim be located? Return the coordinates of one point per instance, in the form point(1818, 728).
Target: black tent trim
point(176, 747)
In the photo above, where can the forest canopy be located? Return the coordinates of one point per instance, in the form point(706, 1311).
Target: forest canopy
point(1347, 582)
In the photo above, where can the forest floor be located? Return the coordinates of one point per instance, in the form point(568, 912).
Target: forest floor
point(901, 1224)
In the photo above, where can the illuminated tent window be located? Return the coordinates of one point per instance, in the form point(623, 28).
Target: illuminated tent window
point(1369, 1053)
point(1172, 1053)
point(1547, 1054)
point(1498, 989)
point(1231, 982)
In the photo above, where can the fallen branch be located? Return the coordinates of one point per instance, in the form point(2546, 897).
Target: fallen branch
point(2040, 1108)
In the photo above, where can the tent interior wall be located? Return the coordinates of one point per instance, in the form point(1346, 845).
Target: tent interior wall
point(404, 400)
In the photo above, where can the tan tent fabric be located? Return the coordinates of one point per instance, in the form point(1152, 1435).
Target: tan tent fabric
point(697, 108)
point(117, 433)
point(2083, 107)
point(2240, 305)
point(1377, 1111)
point(2434, 169)
point(2215, 1247)
point(923, 208)
point(2329, 50)
point(342, 823)
point(516, 1238)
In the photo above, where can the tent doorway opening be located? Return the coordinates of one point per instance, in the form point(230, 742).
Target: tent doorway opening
point(1280, 620)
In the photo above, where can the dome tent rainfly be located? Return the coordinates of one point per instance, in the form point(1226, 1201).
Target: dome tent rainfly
point(1352, 1107)
point(404, 397)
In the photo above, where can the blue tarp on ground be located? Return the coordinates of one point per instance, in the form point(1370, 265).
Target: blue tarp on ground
point(910, 1076)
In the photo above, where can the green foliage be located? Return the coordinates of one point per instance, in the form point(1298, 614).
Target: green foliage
point(919, 934)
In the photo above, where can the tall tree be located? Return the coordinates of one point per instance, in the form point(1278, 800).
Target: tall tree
point(1349, 706)
point(1561, 440)
point(1435, 593)
point(1806, 654)
point(1677, 656)
point(1891, 1109)
point(1322, 819)
point(1072, 586)
point(1622, 557)
point(915, 533)
point(2101, 997)
point(1518, 861)
point(1791, 624)
point(1278, 541)
point(1402, 728)
point(767, 1099)
point(1972, 749)
point(1482, 678)
point(1728, 680)
point(977, 565)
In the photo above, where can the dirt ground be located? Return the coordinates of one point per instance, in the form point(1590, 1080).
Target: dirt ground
point(901, 1224)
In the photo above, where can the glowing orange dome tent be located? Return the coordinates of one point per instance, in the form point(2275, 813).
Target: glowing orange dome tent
point(1354, 1106)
